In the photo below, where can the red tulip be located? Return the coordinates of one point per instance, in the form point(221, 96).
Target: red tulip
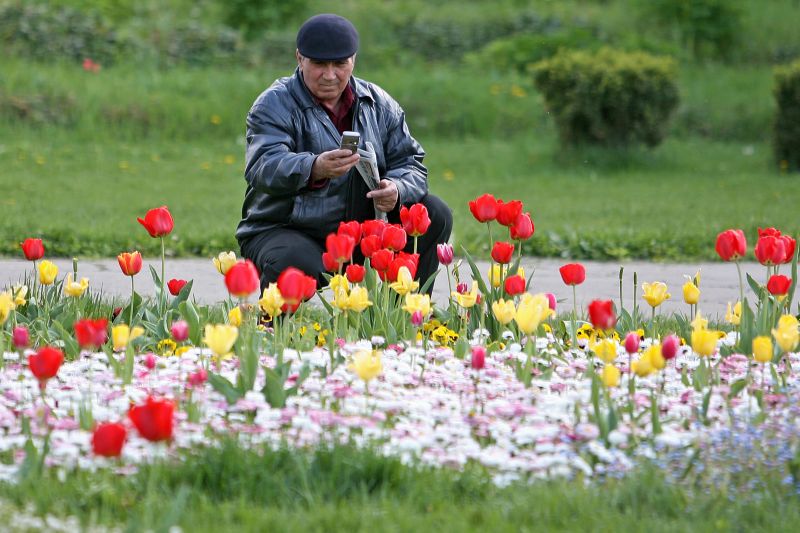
point(242, 279)
point(669, 348)
point(372, 227)
point(522, 229)
point(295, 286)
point(370, 244)
point(507, 213)
point(381, 259)
point(352, 228)
point(108, 439)
point(771, 232)
point(45, 363)
point(770, 250)
point(329, 263)
point(731, 245)
point(153, 420)
point(175, 286)
point(32, 249)
point(340, 247)
point(20, 337)
point(789, 245)
point(601, 314)
point(502, 252)
point(551, 300)
point(444, 252)
point(394, 237)
point(355, 273)
point(484, 208)
point(415, 219)
point(409, 261)
point(179, 330)
point(158, 222)
point(91, 333)
point(514, 285)
point(130, 263)
point(196, 379)
point(150, 361)
point(778, 285)
point(632, 341)
point(573, 273)
point(478, 361)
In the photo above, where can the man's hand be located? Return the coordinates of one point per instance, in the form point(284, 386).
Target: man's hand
point(329, 165)
point(385, 195)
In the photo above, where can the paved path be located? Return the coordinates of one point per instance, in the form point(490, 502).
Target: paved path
point(719, 282)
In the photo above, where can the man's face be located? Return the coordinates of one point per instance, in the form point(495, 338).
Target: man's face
point(326, 79)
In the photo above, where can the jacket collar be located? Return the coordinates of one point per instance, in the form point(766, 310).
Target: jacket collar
point(303, 95)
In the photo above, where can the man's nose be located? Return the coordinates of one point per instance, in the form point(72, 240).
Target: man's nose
point(329, 72)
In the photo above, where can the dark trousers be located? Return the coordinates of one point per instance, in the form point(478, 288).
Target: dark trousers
point(275, 249)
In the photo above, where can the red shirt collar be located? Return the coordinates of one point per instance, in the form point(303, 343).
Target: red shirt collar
point(343, 119)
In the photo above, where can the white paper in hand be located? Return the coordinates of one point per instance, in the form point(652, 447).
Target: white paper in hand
point(367, 167)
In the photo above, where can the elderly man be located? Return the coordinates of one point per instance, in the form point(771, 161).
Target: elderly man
point(301, 185)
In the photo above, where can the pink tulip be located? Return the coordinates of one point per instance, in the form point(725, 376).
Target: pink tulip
point(180, 330)
point(632, 342)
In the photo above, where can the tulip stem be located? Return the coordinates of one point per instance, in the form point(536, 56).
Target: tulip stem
point(130, 319)
point(163, 281)
point(574, 318)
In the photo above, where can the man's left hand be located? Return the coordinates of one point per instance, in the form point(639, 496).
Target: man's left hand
point(385, 195)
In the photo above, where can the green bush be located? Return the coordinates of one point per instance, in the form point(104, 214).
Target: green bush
point(787, 119)
point(708, 28)
point(608, 97)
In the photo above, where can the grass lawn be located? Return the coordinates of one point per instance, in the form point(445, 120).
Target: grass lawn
point(83, 197)
point(349, 490)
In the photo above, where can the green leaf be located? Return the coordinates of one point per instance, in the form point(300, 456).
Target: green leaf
point(224, 387)
point(754, 285)
point(737, 387)
point(125, 314)
point(654, 415)
point(189, 313)
point(706, 402)
point(273, 389)
point(71, 348)
point(476, 275)
point(428, 282)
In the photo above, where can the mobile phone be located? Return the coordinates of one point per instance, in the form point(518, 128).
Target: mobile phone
point(350, 140)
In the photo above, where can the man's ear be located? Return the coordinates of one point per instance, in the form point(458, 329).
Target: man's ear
point(298, 56)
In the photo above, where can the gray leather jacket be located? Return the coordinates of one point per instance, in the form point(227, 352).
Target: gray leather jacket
point(286, 130)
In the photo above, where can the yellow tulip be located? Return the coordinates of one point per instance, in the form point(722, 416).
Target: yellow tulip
point(653, 354)
point(605, 349)
point(734, 317)
point(235, 316)
point(468, 299)
point(121, 335)
point(532, 310)
point(787, 334)
point(73, 288)
point(47, 272)
point(496, 274)
point(642, 367)
point(20, 292)
point(763, 349)
point(271, 300)
point(691, 293)
point(610, 376)
point(6, 306)
point(655, 293)
point(418, 302)
point(367, 364)
point(224, 261)
point(220, 338)
point(699, 322)
point(504, 310)
point(405, 283)
point(339, 283)
point(704, 341)
point(359, 299)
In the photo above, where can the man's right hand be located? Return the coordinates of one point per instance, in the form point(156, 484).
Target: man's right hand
point(329, 165)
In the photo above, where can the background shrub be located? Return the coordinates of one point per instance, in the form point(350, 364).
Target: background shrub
point(787, 119)
point(608, 97)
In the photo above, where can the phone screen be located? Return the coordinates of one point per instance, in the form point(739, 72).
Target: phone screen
point(350, 140)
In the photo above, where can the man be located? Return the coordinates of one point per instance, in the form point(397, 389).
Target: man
point(300, 185)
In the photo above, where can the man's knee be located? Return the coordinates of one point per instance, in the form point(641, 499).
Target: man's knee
point(441, 217)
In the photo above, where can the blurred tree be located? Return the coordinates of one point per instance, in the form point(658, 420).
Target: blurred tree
point(253, 17)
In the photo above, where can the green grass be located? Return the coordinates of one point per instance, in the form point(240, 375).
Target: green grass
point(349, 490)
point(669, 203)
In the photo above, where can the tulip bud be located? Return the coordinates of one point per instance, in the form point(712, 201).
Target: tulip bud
point(478, 358)
point(417, 319)
point(445, 253)
point(180, 330)
point(150, 361)
point(197, 378)
point(551, 300)
point(669, 348)
point(462, 288)
point(20, 337)
point(632, 342)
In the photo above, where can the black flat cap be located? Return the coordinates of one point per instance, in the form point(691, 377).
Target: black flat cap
point(327, 37)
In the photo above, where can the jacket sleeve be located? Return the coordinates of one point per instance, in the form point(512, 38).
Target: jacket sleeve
point(272, 166)
point(404, 158)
